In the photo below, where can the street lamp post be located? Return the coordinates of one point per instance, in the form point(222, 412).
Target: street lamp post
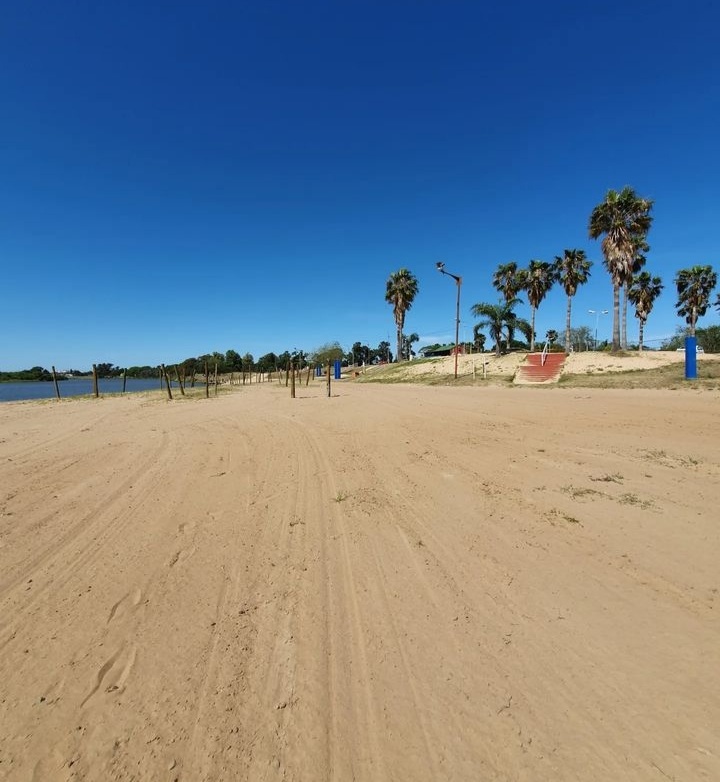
point(597, 314)
point(440, 266)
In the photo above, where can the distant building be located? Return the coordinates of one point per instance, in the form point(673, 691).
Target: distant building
point(435, 351)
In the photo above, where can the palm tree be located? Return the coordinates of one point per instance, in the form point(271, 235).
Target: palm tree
point(638, 262)
point(572, 270)
point(623, 219)
point(537, 280)
point(508, 280)
point(694, 286)
point(642, 292)
point(500, 319)
point(408, 342)
point(401, 290)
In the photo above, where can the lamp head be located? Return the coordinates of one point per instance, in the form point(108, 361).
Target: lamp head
point(440, 266)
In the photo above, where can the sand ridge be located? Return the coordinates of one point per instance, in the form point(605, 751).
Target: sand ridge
point(399, 582)
point(506, 365)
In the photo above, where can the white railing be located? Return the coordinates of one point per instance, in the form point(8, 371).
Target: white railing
point(544, 355)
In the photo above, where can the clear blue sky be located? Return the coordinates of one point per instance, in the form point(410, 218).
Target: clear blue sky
point(183, 177)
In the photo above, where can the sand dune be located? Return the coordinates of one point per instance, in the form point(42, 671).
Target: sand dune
point(398, 583)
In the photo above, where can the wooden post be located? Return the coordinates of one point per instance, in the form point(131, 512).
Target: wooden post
point(292, 381)
point(287, 374)
point(307, 380)
point(328, 378)
point(57, 390)
point(95, 382)
point(124, 379)
point(180, 383)
point(216, 379)
point(207, 381)
point(160, 375)
point(167, 380)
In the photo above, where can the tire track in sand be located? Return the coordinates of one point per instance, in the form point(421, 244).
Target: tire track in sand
point(89, 536)
point(253, 612)
point(348, 681)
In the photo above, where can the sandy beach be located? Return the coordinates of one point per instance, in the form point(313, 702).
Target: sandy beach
point(397, 583)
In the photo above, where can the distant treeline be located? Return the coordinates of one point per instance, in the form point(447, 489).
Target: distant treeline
point(34, 374)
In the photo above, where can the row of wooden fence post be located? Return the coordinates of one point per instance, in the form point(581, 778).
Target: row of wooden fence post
point(290, 375)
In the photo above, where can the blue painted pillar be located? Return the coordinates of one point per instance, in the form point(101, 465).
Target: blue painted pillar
point(318, 371)
point(337, 369)
point(690, 358)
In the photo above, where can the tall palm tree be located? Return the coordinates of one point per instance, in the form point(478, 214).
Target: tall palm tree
point(623, 219)
point(401, 290)
point(537, 280)
point(642, 292)
point(639, 261)
point(500, 320)
point(572, 270)
point(508, 280)
point(694, 286)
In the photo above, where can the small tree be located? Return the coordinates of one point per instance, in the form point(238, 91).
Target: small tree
point(330, 351)
point(500, 319)
point(642, 292)
point(478, 339)
point(537, 280)
point(383, 351)
point(408, 342)
point(694, 287)
point(572, 270)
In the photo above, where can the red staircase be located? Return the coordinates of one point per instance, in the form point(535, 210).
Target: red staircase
point(534, 371)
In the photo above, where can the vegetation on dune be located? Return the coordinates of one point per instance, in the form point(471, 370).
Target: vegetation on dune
point(433, 372)
point(669, 376)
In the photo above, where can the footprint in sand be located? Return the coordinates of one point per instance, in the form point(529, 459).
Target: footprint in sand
point(126, 604)
point(180, 556)
point(114, 673)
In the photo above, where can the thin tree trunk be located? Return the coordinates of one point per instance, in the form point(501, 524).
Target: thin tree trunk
point(616, 318)
point(567, 326)
point(623, 332)
point(398, 357)
point(640, 336)
point(532, 330)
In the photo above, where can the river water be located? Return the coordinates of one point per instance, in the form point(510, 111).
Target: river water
point(77, 386)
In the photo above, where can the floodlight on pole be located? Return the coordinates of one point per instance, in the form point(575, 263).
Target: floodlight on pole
point(440, 266)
